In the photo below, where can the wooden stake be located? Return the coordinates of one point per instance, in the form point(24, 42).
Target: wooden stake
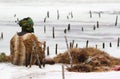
point(68, 48)
point(63, 74)
point(71, 15)
point(43, 50)
point(73, 43)
point(56, 47)
point(44, 28)
point(87, 43)
point(76, 45)
point(44, 19)
point(58, 16)
point(48, 15)
point(97, 24)
point(116, 21)
point(1, 35)
point(110, 44)
point(68, 27)
point(65, 30)
point(103, 45)
point(99, 14)
point(94, 27)
point(82, 29)
point(118, 43)
point(70, 45)
point(67, 17)
point(53, 32)
point(90, 14)
point(48, 51)
point(96, 46)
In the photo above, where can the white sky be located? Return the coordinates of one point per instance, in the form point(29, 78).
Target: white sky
point(69, 1)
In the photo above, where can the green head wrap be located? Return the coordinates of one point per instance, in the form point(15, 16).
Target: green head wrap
point(27, 24)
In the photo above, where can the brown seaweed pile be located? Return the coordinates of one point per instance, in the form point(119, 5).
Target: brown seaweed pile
point(4, 57)
point(87, 60)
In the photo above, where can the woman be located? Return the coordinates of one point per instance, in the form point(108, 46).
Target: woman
point(25, 48)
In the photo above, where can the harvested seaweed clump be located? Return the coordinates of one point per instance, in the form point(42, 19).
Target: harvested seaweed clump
point(78, 56)
point(88, 60)
point(81, 68)
point(4, 57)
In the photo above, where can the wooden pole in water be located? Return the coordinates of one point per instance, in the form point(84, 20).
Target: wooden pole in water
point(44, 28)
point(1, 35)
point(44, 19)
point(73, 41)
point(53, 30)
point(44, 47)
point(65, 30)
point(48, 14)
point(76, 45)
point(48, 51)
point(68, 27)
point(110, 44)
point(87, 43)
point(63, 74)
point(96, 46)
point(71, 14)
point(56, 47)
point(90, 14)
point(99, 14)
point(58, 15)
point(82, 29)
point(116, 21)
point(103, 45)
point(97, 24)
point(70, 45)
point(67, 17)
point(118, 42)
point(43, 50)
point(94, 27)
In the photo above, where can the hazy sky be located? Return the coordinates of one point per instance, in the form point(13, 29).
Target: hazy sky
point(69, 1)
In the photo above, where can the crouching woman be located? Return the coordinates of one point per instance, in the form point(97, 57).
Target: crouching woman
point(25, 49)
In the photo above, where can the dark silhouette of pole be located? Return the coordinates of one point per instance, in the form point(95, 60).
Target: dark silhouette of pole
point(97, 24)
point(48, 51)
point(56, 47)
point(68, 27)
point(48, 14)
point(58, 15)
point(118, 43)
point(87, 43)
point(116, 21)
point(90, 14)
point(53, 30)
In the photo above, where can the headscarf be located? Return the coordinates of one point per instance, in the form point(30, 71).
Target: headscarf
point(27, 24)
